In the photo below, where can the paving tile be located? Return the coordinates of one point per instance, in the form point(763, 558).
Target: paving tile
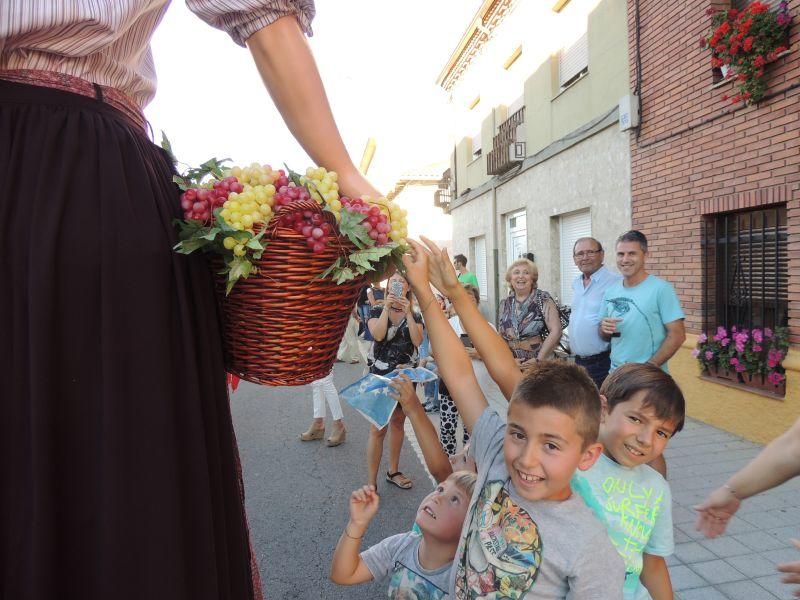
point(760, 541)
point(681, 514)
point(774, 584)
point(679, 536)
point(703, 593)
point(717, 571)
point(725, 546)
point(745, 590)
point(785, 533)
point(765, 520)
point(752, 565)
point(693, 552)
point(782, 555)
point(683, 578)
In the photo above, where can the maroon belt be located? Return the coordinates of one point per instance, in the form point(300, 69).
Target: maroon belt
point(69, 83)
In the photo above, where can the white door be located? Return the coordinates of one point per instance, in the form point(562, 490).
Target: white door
point(573, 226)
point(479, 262)
point(516, 236)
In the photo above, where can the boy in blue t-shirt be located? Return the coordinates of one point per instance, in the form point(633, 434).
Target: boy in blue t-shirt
point(642, 409)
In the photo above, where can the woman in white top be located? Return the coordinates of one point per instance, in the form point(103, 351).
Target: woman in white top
point(119, 473)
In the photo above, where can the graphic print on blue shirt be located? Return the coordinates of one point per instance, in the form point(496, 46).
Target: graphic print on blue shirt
point(502, 552)
point(621, 307)
point(407, 584)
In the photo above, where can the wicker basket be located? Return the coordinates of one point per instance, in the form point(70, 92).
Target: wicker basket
point(281, 325)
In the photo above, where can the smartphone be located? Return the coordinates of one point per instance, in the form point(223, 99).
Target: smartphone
point(396, 288)
point(466, 341)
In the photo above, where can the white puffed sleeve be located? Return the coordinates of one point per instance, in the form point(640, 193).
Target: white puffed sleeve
point(242, 18)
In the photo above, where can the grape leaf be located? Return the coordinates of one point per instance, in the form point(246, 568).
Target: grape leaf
point(342, 275)
point(254, 244)
point(190, 245)
point(239, 266)
point(330, 269)
point(351, 226)
point(167, 146)
point(367, 256)
point(211, 234)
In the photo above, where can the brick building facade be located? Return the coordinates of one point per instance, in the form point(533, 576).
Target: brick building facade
point(697, 160)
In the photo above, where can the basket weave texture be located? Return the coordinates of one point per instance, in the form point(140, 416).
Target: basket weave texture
point(282, 325)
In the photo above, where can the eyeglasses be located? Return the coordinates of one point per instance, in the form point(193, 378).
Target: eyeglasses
point(587, 253)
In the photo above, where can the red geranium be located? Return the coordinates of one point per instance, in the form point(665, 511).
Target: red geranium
point(746, 40)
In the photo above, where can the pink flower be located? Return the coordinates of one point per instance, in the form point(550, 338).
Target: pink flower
point(757, 348)
point(709, 355)
point(774, 358)
point(775, 378)
point(767, 332)
point(735, 362)
point(721, 333)
point(757, 336)
point(702, 338)
point(695, 353)
point(725, 341)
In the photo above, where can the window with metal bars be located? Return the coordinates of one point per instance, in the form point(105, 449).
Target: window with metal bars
point(746, 271)
point(742, 4)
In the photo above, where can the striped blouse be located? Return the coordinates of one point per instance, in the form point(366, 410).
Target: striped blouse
point(108, 41)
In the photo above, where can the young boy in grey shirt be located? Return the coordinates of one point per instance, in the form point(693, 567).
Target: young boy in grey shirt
point(418, 564)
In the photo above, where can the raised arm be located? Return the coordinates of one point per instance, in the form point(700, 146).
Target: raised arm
point(436, 459)
point(455, 367)
point(380, 325)
point(493, 349)
point(778, 462)
point(347, 566)
point(287, 67)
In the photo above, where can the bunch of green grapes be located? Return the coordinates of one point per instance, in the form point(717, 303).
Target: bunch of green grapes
point(253, 205)
point(324, 188)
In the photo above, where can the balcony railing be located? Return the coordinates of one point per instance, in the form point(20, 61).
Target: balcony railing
point(508, 148)
point(442, 196)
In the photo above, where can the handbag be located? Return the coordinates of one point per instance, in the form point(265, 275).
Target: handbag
point(564, 313)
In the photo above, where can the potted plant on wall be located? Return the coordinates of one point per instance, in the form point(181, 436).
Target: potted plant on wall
point(743, 42)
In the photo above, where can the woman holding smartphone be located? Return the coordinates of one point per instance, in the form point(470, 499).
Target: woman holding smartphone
point(397, 331)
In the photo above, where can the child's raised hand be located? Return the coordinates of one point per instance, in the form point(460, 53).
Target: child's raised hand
point(363, 505)
point(402, 390)
point(441, 272)
point(416, 264)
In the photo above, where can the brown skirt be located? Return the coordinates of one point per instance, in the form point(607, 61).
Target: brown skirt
point(119, 474)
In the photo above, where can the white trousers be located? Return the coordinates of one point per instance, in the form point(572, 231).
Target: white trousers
point(325, 387)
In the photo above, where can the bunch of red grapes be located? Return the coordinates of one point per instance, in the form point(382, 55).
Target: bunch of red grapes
point(198, 204)
point(312, 226)
point(376, 223)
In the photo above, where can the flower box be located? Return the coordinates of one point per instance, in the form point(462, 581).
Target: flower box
point(745, 358)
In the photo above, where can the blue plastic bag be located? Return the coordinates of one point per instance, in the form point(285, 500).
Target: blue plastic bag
point(370, 394)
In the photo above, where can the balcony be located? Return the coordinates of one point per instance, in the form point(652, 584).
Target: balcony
point(442, 196)
point(508, 146)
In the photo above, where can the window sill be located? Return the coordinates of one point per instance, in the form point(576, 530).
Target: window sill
point(724, 82)
point(570, 85)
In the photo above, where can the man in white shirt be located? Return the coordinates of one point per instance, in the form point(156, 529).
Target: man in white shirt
point(591, 350)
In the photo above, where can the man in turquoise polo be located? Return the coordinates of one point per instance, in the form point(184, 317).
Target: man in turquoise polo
point(643, 317)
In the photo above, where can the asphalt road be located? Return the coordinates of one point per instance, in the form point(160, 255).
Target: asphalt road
point(297, 492)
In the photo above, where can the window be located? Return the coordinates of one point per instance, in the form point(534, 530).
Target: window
point(573, 62)
point(742, 4)
point(746, 269)
point(476, 144)
point(572, 227)
point(516, 236)
point(478, 252)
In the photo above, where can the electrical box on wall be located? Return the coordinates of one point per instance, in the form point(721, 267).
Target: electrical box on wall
point(628, 112)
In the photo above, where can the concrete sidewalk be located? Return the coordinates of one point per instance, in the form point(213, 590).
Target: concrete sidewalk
point(740, 565)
